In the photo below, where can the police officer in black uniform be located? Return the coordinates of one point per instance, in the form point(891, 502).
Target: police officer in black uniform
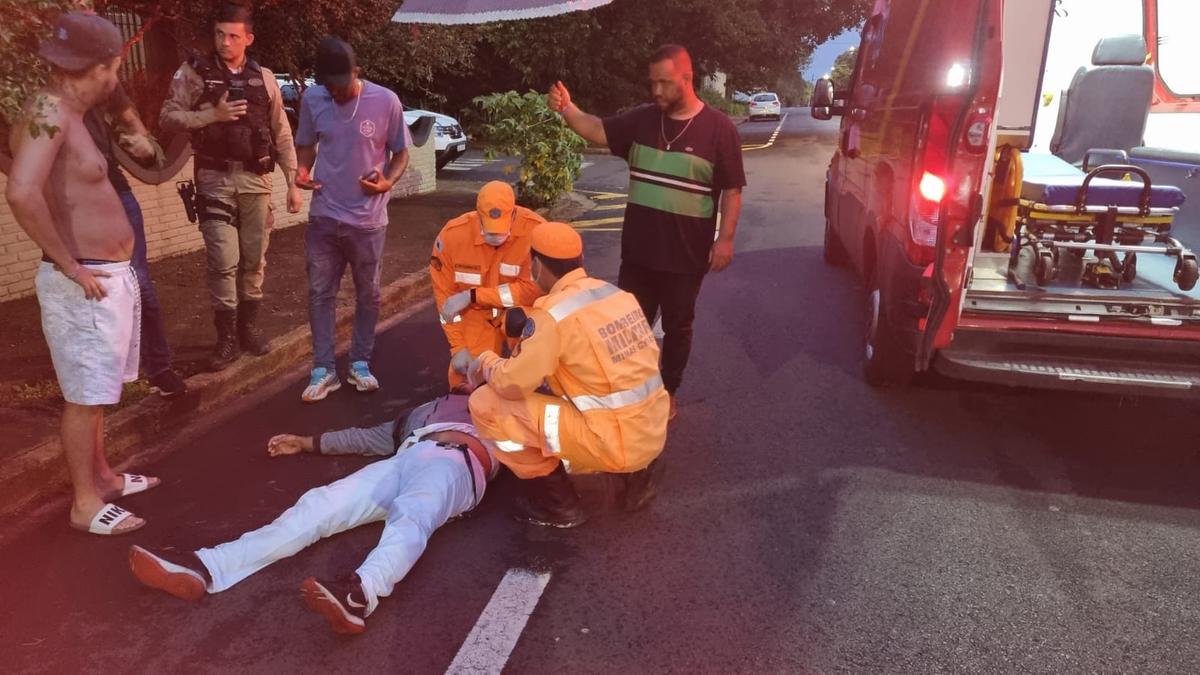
point(233, 109)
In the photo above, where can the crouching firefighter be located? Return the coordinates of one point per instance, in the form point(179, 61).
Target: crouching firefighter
point(233, 109)
point(589, 343)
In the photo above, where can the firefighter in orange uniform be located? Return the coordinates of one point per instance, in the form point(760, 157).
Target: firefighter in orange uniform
point(480, 267)
point(590, 343)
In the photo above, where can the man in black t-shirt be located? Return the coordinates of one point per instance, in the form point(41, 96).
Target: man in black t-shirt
point(118, 117)
point(685, 168)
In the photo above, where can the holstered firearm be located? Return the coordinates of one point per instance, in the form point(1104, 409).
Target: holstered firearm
point(191, 203)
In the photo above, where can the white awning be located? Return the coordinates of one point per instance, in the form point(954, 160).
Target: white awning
point(452, 12)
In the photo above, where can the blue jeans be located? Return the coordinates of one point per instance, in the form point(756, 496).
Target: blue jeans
point(330, 246)
point(156, 354)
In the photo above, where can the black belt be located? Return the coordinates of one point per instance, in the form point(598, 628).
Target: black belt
point(224, 165)
point(85, 261)
point(467, 457)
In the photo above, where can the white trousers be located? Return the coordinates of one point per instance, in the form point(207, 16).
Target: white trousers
point(415, 492)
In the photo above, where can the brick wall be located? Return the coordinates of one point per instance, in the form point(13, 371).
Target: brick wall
point(168, 232)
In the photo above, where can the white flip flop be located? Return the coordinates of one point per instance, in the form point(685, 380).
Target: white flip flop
point(135, 484)
point(107, 519)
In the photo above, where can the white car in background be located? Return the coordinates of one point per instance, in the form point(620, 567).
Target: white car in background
point(765, 104)
point(449, 140)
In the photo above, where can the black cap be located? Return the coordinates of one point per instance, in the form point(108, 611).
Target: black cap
point(81, 40)
point(335, 62)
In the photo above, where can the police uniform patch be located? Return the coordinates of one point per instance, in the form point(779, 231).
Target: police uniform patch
point(495, 213)
point(255, 82)
point(436, 263)
point(530, 327)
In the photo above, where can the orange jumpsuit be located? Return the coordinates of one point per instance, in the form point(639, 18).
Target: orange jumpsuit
point(462, 260)
point(590, 342)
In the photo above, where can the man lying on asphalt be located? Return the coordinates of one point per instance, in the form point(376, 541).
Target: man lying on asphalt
point(439, 470)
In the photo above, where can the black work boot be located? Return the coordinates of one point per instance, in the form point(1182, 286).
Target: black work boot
point(550, 501)
point(249, 336)
point(642, 486)
point(227, 350)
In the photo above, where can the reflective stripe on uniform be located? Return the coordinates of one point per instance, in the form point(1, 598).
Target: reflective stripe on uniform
point(510, 270)
point(506, 296)
point(550, 428)
point(509, 446)
point(620, 399)
point(580, 300)
point(471, 278)
point(457, 319)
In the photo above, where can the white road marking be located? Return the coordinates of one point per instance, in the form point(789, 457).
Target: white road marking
point(491, 641)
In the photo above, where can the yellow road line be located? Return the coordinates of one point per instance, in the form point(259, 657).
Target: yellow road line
point(774, 137)
point(600, 229)
point(609, 207)
point(602, 196)
point(599, 221)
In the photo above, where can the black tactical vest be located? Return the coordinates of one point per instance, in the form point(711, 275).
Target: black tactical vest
point(247, 140)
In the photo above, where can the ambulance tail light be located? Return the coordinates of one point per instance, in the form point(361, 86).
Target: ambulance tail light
point(931, 183)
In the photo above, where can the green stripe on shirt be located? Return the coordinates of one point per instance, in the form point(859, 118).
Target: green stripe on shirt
point(671, 200)
point(680, 164)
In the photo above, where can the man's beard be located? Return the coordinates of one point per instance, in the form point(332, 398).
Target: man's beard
point(671, 106)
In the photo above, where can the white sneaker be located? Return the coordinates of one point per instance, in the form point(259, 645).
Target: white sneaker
point(360, 376)
point(320, 384)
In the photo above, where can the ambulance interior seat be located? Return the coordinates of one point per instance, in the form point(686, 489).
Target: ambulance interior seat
point(1107, 105)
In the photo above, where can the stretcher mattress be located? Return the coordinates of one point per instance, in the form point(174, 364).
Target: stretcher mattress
point(1052, 181)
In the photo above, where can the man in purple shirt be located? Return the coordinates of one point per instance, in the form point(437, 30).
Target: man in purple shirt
point(357, 131)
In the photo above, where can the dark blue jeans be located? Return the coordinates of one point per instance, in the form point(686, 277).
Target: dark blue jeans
point(156, 354)
point(331, 246)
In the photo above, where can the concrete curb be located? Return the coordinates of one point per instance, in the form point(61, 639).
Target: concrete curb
point(41, 469)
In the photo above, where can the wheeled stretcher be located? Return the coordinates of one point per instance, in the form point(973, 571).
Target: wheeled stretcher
point(1102, 218)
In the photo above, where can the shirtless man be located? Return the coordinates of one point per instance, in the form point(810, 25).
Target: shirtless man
point(59, 191)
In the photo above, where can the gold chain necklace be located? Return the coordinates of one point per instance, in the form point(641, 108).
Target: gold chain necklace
point(662, 126)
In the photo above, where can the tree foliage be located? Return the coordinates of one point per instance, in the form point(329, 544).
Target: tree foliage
point(523, 125)
point(602, 54)
point(843, 69)
point(25, 24)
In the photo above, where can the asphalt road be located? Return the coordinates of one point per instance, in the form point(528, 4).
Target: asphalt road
point(808, 523)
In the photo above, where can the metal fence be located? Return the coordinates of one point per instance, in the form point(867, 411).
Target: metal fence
point(135, 60)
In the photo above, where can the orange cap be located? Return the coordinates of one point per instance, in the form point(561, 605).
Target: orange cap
point(495, 205)
point(556, 240)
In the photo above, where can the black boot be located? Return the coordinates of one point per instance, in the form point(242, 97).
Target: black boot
point(550, 501)
point(642, 486)
point(227, 350)
point(249, 336)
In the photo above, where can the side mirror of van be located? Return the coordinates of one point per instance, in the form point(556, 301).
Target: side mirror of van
point(823, 107)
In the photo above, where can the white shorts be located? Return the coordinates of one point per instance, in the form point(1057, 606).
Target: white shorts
point(94, 344)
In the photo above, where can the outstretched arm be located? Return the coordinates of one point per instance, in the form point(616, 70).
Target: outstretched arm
point(374, 441)
point(588, 126)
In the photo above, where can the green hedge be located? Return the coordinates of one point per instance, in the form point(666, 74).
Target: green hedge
point(731, 108)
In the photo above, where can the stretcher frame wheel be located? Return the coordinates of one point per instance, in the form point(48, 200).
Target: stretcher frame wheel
point(1187, 273)
point(1046, 268)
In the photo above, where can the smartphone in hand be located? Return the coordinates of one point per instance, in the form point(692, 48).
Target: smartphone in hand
point(237, 93)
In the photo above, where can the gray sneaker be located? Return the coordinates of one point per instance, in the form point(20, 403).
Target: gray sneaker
point(320, 384)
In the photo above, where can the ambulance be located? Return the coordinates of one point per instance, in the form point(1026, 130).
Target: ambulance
point(1017, 183)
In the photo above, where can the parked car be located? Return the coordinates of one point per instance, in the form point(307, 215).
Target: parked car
point(988, 258)
point(765, 104)
point(449, 140)
point(292, 91)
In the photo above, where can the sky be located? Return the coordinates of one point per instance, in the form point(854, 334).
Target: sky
point(826, 54)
